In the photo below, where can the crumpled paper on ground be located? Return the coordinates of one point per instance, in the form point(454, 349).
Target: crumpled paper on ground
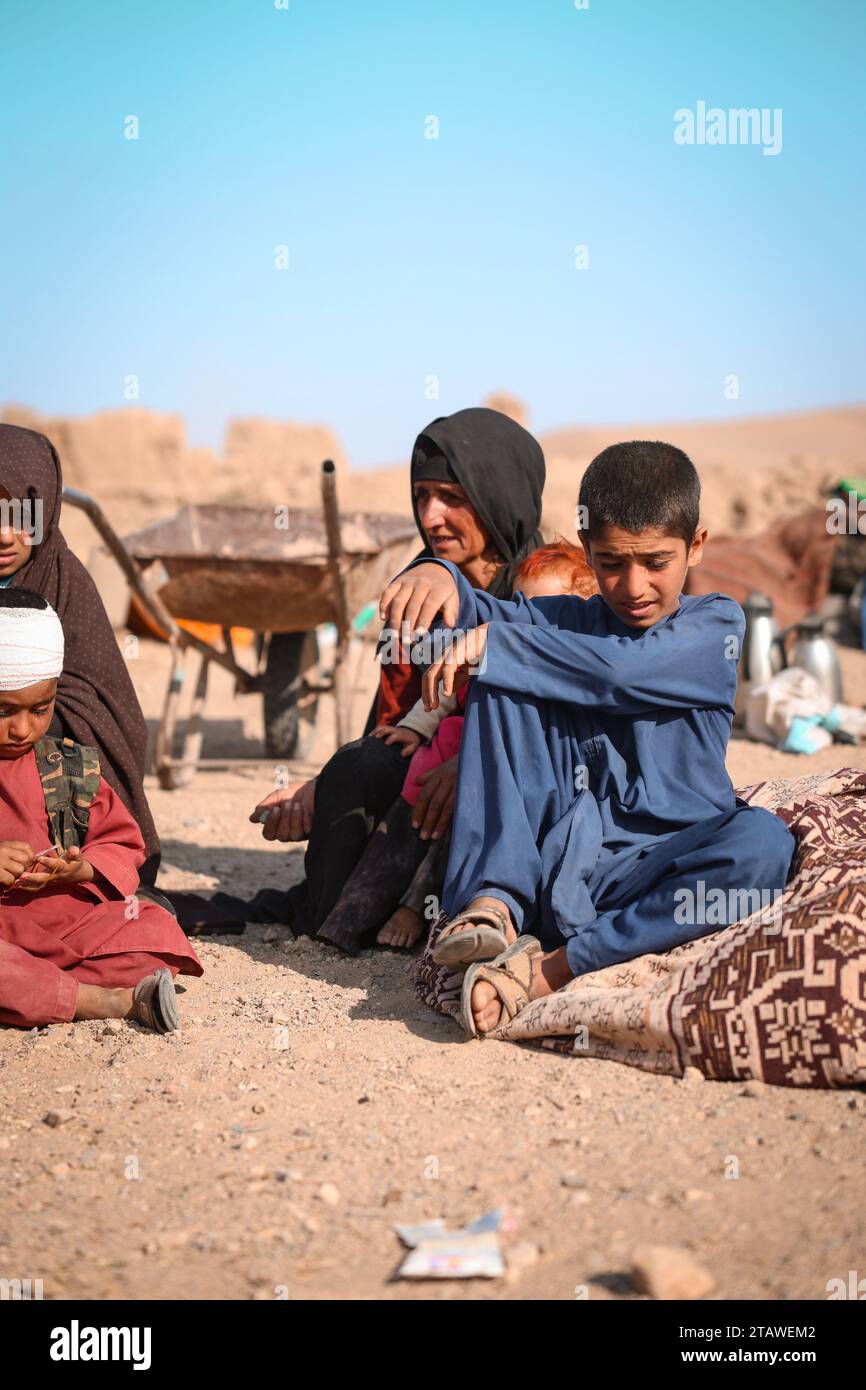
point(471, 1253)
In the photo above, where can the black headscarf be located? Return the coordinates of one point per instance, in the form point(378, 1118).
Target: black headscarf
point(500, 467)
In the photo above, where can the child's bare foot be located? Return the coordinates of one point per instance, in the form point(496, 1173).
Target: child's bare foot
point(549, 973)
point(94, 1001)
point(402, 929)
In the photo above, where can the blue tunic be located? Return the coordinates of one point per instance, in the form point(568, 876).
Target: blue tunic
point(592, 783)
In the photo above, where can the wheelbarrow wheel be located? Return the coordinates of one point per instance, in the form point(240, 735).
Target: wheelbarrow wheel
point(289, 720)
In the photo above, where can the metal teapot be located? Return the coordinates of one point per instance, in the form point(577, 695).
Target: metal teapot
point(763, 651)
point(814, 652)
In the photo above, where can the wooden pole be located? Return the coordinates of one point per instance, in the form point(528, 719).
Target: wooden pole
point(342, 617)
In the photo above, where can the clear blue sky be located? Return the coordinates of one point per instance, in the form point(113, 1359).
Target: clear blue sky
point(411, 257)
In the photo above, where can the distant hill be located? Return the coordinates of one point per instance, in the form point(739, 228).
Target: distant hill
point(138, 465)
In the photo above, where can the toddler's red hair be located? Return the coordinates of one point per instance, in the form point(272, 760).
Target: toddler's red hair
point(563, 558)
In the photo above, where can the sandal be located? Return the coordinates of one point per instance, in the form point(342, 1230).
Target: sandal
point(154, 1003)
point(477, 942)
point(510, 975)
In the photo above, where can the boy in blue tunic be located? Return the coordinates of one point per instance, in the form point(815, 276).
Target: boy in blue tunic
point(595, 819)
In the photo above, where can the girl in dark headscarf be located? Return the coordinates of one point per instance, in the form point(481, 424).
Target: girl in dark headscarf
point(477, 480)
point(96, 703)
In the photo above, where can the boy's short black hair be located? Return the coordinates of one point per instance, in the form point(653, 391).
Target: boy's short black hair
point(640, 484)
point(21, 598)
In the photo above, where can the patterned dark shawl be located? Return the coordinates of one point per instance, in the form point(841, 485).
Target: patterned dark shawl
point(96, 702)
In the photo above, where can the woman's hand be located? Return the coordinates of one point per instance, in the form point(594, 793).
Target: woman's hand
point(392, 733)
point(463, 658)
point(432, 812)
point(68, 867)
point(290, 812)
point(417, 596)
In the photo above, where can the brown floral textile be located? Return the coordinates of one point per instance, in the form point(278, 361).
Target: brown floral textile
point(779, 997)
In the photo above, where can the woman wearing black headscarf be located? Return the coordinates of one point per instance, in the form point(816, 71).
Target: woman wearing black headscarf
point(496, 469)
point(96, 702)
point(477, 479)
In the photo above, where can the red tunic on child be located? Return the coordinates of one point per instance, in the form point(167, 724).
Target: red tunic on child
point(71, 934)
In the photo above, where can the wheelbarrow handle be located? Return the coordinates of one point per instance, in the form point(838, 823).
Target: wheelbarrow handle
point(341, 603)
point(150, 599)
point(335, 546)
point(136, 580)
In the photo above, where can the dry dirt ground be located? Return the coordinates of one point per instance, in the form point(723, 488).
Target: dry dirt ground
point(309, 1103)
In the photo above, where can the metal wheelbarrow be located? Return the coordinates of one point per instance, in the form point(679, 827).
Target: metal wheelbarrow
point(280, 572)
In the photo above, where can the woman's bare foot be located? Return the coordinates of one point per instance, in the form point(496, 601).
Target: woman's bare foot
point(94, 1001)
point(549, 973)
point(402, 929)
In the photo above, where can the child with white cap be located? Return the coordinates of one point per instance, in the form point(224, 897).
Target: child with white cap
point(75, 940)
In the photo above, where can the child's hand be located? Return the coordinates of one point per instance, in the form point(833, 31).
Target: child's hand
point(417, 596)
point(394, 734)
point(464, 658)
point(15, 856)
point(68, 867)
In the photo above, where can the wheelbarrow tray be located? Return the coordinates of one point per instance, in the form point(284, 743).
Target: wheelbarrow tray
point(232, 565)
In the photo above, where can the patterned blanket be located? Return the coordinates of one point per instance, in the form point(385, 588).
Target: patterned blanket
point(779, 997)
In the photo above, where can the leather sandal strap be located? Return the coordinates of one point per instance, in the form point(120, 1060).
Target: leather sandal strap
point(511, 982)
point(475, 917)
point(143, 1000)
point(148, 1006)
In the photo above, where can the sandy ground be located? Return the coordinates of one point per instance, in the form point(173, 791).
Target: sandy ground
point(310, 1102)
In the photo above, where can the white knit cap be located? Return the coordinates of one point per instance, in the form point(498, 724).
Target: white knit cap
point(31, 646)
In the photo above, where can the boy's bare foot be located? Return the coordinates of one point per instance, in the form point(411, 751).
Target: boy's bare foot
point(549, 973)
point(402, 929)
point(94, 1001)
